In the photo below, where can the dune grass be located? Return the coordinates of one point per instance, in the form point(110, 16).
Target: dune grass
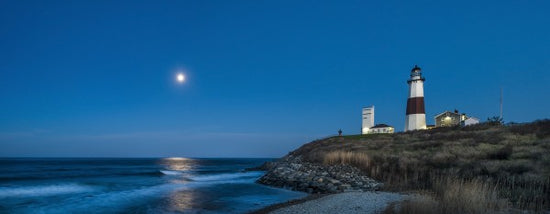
point(454, 196)
point(489, 167)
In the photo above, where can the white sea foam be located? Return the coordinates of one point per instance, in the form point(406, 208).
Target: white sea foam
point(215, 178)
point(171, 172)
point(227, 176)
point(45, 190)
point(103, 202)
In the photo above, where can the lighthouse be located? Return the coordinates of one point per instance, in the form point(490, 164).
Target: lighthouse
point(416, 115)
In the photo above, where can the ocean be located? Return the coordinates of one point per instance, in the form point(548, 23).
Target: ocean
point(124, 185)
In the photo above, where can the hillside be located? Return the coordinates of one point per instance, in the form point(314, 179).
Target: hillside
point(482, 167)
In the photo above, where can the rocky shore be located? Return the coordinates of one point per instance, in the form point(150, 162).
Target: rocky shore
point(293, 173)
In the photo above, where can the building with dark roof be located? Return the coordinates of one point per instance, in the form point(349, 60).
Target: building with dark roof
point(381, 128)
point(448, 118)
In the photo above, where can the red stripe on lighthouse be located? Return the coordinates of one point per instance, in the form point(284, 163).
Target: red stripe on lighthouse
point(415, 105)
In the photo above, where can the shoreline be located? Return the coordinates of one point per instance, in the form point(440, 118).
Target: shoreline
point(345, 202)
point(332, 188)
point(323, 182)
point(289, 203)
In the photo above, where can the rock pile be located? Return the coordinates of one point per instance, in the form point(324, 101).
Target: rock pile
point(292, 173)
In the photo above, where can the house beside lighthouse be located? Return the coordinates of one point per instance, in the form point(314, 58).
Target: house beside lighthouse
point(415, 114)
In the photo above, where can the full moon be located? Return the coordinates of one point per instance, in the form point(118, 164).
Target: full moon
point(180, 78)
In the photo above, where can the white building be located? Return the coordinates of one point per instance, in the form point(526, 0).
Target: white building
point(368, 119)
point(381, 128)
point(471, 121)
point(368, 126)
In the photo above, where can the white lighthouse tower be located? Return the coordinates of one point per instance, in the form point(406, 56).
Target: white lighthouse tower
point(416, 115)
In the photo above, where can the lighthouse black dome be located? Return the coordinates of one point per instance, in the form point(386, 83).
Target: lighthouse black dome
point(416, 68)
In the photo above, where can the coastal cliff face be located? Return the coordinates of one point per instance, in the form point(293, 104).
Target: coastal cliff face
point(291, 172)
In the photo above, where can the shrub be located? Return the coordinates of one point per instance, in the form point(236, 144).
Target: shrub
point(443, 160)
point(495, 120)
point(517, 168)
point(501, 154)
point(541, 128)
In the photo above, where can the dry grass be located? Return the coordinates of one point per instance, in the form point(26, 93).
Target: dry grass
point(485, 164)
point(474, 196)
point(360, 160)
point(419, 205)
point(454, 196)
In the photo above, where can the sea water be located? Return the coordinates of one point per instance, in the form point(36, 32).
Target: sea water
point(165, 185)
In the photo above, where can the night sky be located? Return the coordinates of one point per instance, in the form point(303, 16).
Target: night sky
point(98, 78)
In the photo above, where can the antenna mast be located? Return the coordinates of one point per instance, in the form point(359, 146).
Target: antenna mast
point(501, 103)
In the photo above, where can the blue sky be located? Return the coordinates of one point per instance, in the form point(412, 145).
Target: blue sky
point(96, 78)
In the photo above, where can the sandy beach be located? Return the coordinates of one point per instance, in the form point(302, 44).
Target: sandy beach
point(348, 202)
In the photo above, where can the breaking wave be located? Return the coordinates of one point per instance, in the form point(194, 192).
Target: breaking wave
point(227, 176)
point(45, 190)
point(171, 172)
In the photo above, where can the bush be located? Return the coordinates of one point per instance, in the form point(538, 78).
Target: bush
point(501, 154)
point(541, 128)
point(443, 160)
point(517, 168)
point(495, 120)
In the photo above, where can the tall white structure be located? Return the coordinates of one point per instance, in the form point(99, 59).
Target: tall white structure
point(368, 119)
point(416, 115)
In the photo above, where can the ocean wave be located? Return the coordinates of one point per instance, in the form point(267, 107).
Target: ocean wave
point(45, 190)
point(146, 173)
point(227, 176)
point(76, 174)
point(106, 202)
point(171, 172)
